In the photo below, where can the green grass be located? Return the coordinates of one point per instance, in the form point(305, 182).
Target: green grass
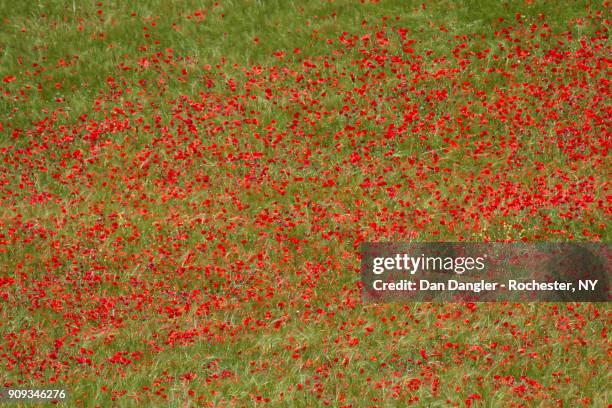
point(310, 357)
point(47, 32)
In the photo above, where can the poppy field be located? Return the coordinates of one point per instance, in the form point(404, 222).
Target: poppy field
point(185, 185)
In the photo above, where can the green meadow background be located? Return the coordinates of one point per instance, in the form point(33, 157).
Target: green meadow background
point(140, 277)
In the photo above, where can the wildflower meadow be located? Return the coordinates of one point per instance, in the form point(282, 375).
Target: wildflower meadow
point(185, 186)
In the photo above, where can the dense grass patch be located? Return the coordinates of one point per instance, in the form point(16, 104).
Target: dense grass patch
point(184, 187)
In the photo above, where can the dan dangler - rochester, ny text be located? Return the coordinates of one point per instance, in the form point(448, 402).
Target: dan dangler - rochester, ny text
point(435, 267)
point(495, 271)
